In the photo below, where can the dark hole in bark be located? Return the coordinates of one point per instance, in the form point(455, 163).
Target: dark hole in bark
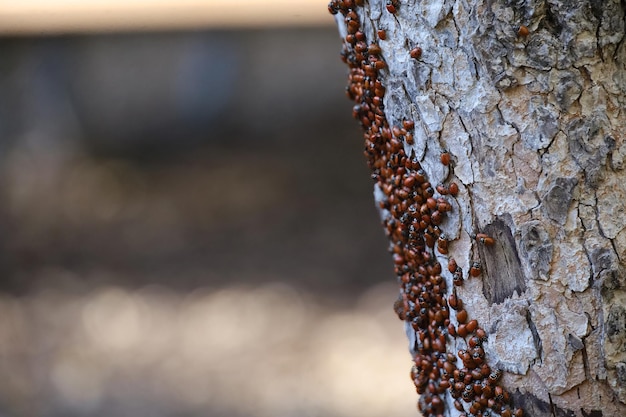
point(597, 7)
point(551, 23)
point(535, 407)
point(535, 333)
point(592, 413)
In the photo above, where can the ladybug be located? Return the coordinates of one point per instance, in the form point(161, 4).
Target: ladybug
point(523, 31)
point(475, 269)
point(458, 405)
point(468, 395)
point(495, 375)
point(474, 341)
point(475, 407)
point(482, 335)
point(461, 316)
point(441, 189)
point(457, 279)
point(485, 239)
point(472, 325)
point(392, 6)
point(452, 265)
point(442, 244)
point(445, 158)
point(454, 302)
point(373, 49)
point(461, 330)
point(416, 53)
point(478, 357)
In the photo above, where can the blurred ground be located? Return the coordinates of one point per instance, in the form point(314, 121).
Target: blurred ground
point(240, 350)
point(187, 228)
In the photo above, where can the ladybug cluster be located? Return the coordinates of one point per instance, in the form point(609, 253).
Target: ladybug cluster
point(414, 209)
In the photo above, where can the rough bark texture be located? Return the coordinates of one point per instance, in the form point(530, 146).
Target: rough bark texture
point(527, 97)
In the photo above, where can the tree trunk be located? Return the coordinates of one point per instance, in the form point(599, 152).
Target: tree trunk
point(518, 105)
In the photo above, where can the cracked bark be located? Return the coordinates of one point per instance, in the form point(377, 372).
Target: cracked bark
point(535, 126)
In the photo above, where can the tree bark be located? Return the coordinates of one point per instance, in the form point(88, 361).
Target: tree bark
point(525, 98)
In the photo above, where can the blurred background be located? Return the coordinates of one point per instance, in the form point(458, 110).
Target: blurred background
point(187, 225)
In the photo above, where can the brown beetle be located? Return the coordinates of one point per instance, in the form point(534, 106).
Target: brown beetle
point(452, 265)
point(474, 341)
point(442, 244)
point(461, 316)
point(392, 6)
point(485, 239)
point(373, 49)
point(441, 189)
point(495, 375)
point(458, 405)
point(475, 269)
point(416, 53)
point(523, 31)
point(482, 335)
point(472, 325)
point(457, 279)
point(454, 302)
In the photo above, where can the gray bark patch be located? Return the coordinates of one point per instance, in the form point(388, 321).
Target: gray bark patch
point(611, 281)
point(621, 373)
point(616, 323)
point(575, 342)
point(556, 202)
point(542, 51)
point(589, 144)
point(536, 250)
point(602, 259)
point(540, 134)
point(567, 89)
